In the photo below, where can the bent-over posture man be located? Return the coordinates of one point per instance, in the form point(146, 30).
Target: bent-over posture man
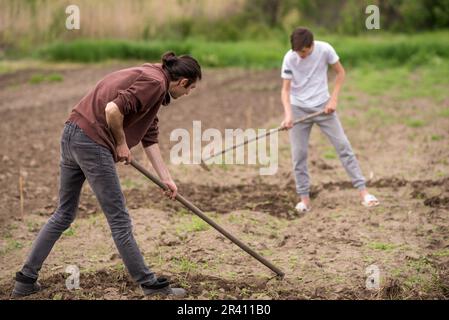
point(305, 91)
point(116, 115)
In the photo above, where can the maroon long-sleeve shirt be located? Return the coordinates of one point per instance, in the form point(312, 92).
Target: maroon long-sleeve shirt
point(138, 92)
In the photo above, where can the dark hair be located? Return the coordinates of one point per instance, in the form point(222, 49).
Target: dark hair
point(301, 38)
point(181, 67)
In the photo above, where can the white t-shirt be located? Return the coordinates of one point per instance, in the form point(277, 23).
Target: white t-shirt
point(309, 76)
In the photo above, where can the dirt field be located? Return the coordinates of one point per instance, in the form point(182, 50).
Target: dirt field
point(324, 253)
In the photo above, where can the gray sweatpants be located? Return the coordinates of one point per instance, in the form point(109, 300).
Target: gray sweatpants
point(299, 137)
point(81, 159)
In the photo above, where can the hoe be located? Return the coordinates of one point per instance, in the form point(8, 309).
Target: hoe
point(200, 214)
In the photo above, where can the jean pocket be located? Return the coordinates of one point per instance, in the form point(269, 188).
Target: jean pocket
point(88, 156)
point(85, 150)
point(106, 157)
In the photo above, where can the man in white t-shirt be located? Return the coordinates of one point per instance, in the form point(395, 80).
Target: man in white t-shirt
point(304, 91)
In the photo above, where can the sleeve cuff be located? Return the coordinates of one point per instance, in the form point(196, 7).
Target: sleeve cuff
point(148, 143)
point(120, 103)
point(336, 60)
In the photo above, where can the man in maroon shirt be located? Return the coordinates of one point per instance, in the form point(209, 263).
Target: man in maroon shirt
point(116, 115)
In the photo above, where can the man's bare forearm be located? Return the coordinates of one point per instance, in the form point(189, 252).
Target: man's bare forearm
point(340, 79)
point(114, 118)
point(154, 155)
point(285, 98)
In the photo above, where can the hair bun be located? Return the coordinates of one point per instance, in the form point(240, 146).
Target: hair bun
point(169, 59)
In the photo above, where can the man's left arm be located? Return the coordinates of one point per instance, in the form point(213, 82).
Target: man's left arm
point(340, 79)
point(154, 155)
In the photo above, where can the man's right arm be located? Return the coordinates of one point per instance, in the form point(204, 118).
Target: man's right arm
point(285, 98)
point(114, 119)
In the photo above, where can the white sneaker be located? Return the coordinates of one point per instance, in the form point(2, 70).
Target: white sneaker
point(370, 201)
point(301, 207)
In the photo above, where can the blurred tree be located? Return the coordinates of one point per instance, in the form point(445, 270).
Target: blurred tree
point(440, 14)
point(264, 11)
point(28, 22)
point(348, 16)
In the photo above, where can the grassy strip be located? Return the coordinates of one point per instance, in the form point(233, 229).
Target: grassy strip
point(384, 51)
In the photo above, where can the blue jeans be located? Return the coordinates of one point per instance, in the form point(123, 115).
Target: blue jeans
point(81, 159)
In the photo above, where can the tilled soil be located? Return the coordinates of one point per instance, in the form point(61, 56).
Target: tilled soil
point(325, 253)
point(272, 199)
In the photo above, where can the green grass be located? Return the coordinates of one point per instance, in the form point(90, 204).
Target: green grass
point(14, 244)
point(196, 224)
point(5, 69)
point(350, 122)
point(335, 215)
point(442, 253)
point(385, 50)
point(373, 81)
point(97, 50)
point(444, 112)
point(382, 246)
point(130, 184)
point(441, 174)
point(57, 296)
point(379, 114)
point(391, 49)
point(39, 78)
point(186, 265)
point(330, 154)
point(436, 137)
point(350, 98)
point(69, 232)
point(11, 245)
point(119, 267)
point(222, 165)
point(183, 212)
point(414, 123)
point(238, 219)
point(6, 234)
point(95, 219)
point(423, 275)
point(417, 275)
point(212, 54)
point(403, 83)
point(33, 226)
point(55, 77)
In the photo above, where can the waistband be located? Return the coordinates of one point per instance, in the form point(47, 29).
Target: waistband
point(71, 126)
